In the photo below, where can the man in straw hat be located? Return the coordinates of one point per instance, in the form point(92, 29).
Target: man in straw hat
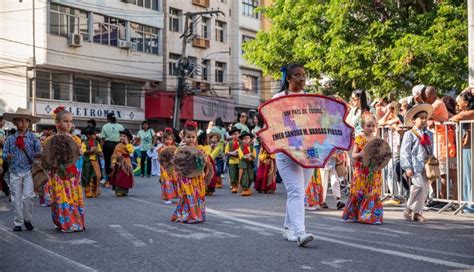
point(20, 150)
point(416, 146)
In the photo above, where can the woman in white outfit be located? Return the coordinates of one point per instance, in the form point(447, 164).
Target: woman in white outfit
point(293, 175)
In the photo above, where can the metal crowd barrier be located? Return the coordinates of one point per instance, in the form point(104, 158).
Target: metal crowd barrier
point(448, 138)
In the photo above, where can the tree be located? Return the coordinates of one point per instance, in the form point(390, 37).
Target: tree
point(381, 46)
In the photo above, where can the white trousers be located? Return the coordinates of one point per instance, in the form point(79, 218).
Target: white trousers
point(418, 193)
point(330, 174)
point(295, 178)
point(21, 186)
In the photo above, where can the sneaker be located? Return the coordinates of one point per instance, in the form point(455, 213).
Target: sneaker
point(289, 235)
point(28, 225)
point(168, 202)
point(311, 208)
point(340, 205)
point(419, 218)
point(431, 203)
point(407, 213)
point(17, 228)
point(324, 205)
point(304, 239)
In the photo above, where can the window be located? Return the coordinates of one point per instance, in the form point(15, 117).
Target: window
point(249, 7)
point(100, 92)
point(134, 95)
point(117, 94)
point(60, 84)
point(250, 84)
point(146, 38)
point(172, 65)
point(149, 4)
point(220, 30)
point(205, 28)
point(220, 71)
point(244, 40)
point(192, 63)
point(43, 85)
point(81, 90)
point(65, 20)
point(205, 69)
point(174, 19)
point(108, 30)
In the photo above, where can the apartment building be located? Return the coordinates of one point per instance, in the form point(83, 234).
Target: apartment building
point(93, 57)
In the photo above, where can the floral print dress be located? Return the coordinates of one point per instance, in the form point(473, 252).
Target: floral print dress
point(314, 190)
point(67, 201)
point(364, 204)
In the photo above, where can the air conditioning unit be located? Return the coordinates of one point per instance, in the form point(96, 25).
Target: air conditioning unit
point(130, 1)
point(123, 44)
point(74, 40)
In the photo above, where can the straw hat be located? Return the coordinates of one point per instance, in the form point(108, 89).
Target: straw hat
point(377, 154)
point(212, 134)
point(21, 113)
point(416, 109)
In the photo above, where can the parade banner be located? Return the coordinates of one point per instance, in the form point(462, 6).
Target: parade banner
point(306, 127)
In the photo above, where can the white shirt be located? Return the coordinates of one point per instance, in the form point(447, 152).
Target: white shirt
point(289, 93)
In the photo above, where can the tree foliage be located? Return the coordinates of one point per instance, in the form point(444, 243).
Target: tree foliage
point(379, 45)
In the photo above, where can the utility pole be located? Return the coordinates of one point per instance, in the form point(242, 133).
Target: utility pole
point(184, 63)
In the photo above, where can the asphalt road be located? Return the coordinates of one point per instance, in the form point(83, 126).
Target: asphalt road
point(241, 234)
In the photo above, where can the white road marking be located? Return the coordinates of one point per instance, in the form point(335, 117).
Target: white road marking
point(341, 242)
point(193, 235)
point(404, 246)
point(305, 267)
point(128, 236)
point(337, 263)
point(345, 243)
point(49, 252)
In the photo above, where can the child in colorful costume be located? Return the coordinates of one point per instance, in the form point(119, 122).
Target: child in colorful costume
point(167, 179)
point(91, 174)
point(231, 150)
point(364, 204)
point(247, 155)
point(266, 173)
point(122, 178)
point(191, 190)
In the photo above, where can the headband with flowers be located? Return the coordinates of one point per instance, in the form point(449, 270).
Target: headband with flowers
point(191, 123)
point(57, 110)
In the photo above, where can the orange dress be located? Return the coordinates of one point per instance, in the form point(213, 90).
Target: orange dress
point(364, 204)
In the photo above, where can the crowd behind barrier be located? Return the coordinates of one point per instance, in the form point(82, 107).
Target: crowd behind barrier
point(454, 151)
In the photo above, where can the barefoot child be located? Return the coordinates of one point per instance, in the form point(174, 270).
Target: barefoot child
point(91, 174)
point(122, 170)
point(20, 150)
point(247, 155)
point(231, 150)
point(364, 204)
point(417, 145)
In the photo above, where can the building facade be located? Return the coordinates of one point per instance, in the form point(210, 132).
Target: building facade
point(93, 57)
